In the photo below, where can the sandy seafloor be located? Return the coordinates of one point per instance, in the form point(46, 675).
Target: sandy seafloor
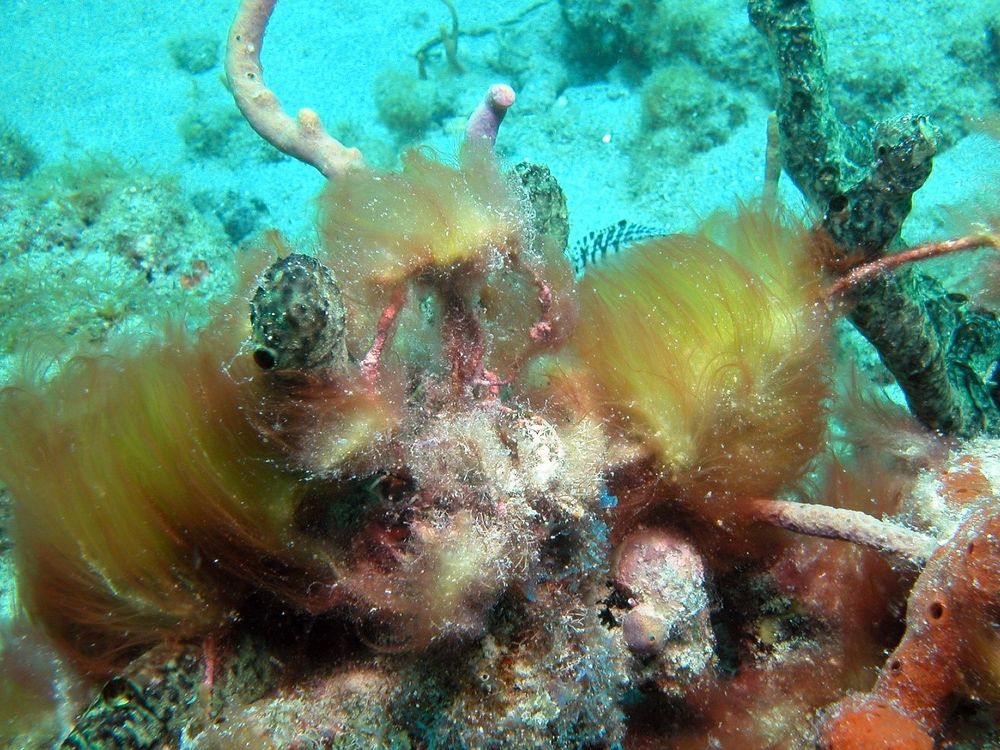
point(80, 79)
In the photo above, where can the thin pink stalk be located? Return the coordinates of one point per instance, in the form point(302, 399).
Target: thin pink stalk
point(860, 274)
point(466, 346)
point(542, 330)
point(211, 666)
point(540, 333)
point(373, 359)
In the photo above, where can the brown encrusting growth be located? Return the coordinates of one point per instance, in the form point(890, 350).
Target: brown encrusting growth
point(150, 508)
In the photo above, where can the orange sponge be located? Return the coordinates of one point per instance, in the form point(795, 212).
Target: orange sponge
point(950, 646)
point(879, 727)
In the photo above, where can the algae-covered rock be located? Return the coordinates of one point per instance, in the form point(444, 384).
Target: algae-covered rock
point(407, 104)
point(298, 316)
point(684, 111)
point(18, 157)
point(94, 246)
point(603, 33)
point(194, 54)
point(549, 215)
point(683, 96)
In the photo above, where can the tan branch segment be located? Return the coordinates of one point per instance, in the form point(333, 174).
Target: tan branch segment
point(849, 526)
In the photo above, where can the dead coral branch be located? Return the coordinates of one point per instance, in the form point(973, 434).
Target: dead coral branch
point(847, 525)
point(448, 40)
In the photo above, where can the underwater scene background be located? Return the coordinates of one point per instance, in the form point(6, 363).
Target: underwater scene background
point(561, 374)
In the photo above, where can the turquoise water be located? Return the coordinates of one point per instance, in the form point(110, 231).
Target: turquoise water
point(129, 182)
point(80, 83)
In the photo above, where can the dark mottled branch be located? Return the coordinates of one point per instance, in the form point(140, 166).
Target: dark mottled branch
point(941, 350)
